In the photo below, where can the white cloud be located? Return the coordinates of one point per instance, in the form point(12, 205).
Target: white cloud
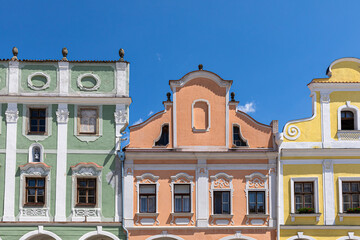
point(158, 55)
point(138, 121)
point(247, 108)
point(150, 113)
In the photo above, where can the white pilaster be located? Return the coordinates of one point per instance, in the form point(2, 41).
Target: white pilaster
point(325, 118)
point(128, 179)
point(202, 194)
point(272, 192)
point(64, 78)
point(13, 77)
point(12, 116)
point(281, 194)
point(328, 192)
point(61, 169)
point(122, 78)
point(121, 120)
point(174, 119)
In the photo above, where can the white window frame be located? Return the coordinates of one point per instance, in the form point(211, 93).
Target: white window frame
point(86, 170)
point(90, 137)
point(147, 178)
point(182, 178)
point(260, 184)
point(241, 136)
point(30, 155)
point(192, 116)
point(353, 109)
point(224, 181)
point(26, 122)
point(340, 181)
point(28, 213)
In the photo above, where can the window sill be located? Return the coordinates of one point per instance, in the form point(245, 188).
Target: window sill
point(295, 215)
point(342, 215)
point(221, 219)
point(145, 214)
point(348, 135)
point(258, 219)
point(182, 214)
point(147, 219)
point(257, 215)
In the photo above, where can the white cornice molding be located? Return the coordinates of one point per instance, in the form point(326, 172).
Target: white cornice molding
point(55, 98)
point(334, 86)
point(322, 152)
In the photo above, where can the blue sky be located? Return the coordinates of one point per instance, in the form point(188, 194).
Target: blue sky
point(270, 49)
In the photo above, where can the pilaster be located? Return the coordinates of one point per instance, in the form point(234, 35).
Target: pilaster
point(12, 115)
point(64, 78)
point(272, 192)
point(325, 118)
point(121, 117)
point(202, 194)
point(61, 169)
point(328, 192)
point(122, 78)
point(13, 77)
point(128, 179)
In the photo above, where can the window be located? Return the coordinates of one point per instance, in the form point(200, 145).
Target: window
point(86, 191)
point(221, 202)
point(35, 191)
point(238, 141)
point(182, 198)
point(88, 121)
point(164, 138)
point(147, 198)
point(37, 121)
point(304, 195)
point(256, 202)
point(347, 120)
point(351, 194)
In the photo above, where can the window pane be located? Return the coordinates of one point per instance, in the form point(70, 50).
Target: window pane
point(40, 199)
point(31, 182)
point(91, 199)
point(298, 199)
point(308, 199)
point(307, 187)
point(151, 202)
point(177, 207)
point(40, 192)
point(186, 204)
point(217, 202)
point(82, 183)
point(226, 208)
point(31, 192)
point(91, 183)
point(225, 196)
point(346, 206)
point(182, 188)
point(252, 197)
point(82, 192)
point(91, 192)
point(143, 204)
point(252, 207)
point(355, 198)
point(82, 199)
point(147, 188)
point(260, 197)
point(354, 187)
point(298, 187)
point(40, 183)
point(346, 187)
point(31, 199)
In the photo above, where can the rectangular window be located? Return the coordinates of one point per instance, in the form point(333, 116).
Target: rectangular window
point(88, 120)
point(86, 191)
point(351, 194)
point(37, 121)
point(147, 198)
point(221, 202)
point(304, 195)
point(35, 191)
point(256, 202)
point(182, 198)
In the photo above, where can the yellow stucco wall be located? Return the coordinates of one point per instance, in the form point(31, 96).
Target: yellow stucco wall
point(318, 234)
point(294, 171)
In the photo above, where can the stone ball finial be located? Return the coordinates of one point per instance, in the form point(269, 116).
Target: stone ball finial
point(64, 53)
point(15, 52)
point(200, 67)
point(232, 96)
point(121, 54)
point(168, 97)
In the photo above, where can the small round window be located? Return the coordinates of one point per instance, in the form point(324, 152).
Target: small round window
point(38, 81)
point(88, 82)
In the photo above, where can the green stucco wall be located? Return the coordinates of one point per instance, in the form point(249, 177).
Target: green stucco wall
point(50, 70)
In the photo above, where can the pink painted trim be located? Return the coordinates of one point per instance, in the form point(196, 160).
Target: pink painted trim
point(84, 163)
point(35, 163)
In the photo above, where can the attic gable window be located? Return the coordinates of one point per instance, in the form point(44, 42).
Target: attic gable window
point(163, 141)
point(347, 120)
point(238, 140)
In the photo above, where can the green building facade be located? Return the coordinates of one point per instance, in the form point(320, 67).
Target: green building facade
point(60, 131)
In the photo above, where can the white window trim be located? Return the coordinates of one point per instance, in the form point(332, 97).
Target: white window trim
point(300, 235)
point(45, 86)
point(260, 183)
point(241, 136)
point(30, 155)
point(341, 207)
point(350, 236)
point(352, 108)
point(89, 138)
point(34, 214)
point(192, 116)
point(224, 181)
point(86, 170)
point(316, 197)
point(26, 123)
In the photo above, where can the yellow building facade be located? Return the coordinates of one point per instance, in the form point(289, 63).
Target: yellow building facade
point(319, 167)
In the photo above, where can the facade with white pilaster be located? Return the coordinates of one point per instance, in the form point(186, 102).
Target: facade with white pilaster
point(200, 169)
point(60, 130)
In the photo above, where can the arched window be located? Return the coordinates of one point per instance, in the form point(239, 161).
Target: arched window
point(164, 137)
point(238, 140)
point(347, 120)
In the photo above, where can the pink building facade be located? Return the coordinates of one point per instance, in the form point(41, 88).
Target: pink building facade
point(200, 169)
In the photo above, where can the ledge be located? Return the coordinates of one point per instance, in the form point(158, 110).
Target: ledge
point(147, 219)
point(342, 215)
point(257, 215)
point(295, 215)
point(147, 214)
point(182, 214)
point(221, 216)
point(184, 218)
point(348, 135)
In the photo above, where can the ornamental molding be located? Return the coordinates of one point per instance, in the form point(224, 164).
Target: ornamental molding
point(293, 133)
point(325, 97)
point(91, 75)
point(221, 180)
point(182, 178)
point(86, 212)
point(120, 116)
point(35, 169)
point(86, 169)
point(35, 212)
point(12, 116)
point(147, 176)
point(256, 182)
point(62, 115)
point(33, 87)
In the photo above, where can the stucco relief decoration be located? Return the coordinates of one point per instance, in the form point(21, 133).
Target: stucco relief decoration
point(325, 98)
point(86, 169)
point(221, 183)
point(86, 212)
point(62, 115)
point(120, 117)
point(12, 116)
point(35, 168)
point(292, 133)
point(221, 180)
point(88, 76)
point(147, 178)
point(38, 77)
point(256, 183)
point(34, 212)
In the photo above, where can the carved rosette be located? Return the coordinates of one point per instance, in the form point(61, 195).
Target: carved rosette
point(12, 116)
point(120, 116)
point(62, 115)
